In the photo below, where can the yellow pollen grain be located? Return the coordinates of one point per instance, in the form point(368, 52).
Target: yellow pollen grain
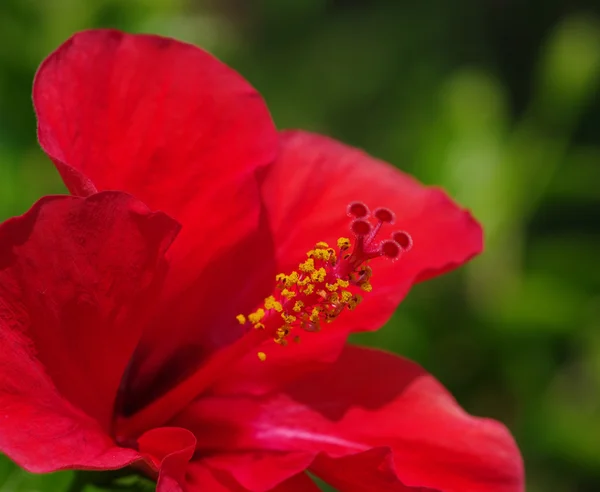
point(288, 294)
point(343, 243)
point(256, 316)
point(308, 266)
point(366, 286)
point(320, 254)
point(343, 283)
point(304, 281)
point(271, 303)
point(325, 301)
point(308, 290)
point(282, 332)
point(318, 275)
point(332, 287)
point(346, 296)
point(355, 301)
point(292, 279)
point(241, 319)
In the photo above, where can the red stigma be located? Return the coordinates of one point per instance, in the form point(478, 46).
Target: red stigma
point(384, 215)
point(403, 239)
point(357, 209)
point(360, 227)
point(390, 249)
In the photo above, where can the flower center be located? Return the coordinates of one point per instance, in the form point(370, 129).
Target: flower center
point(329, 280)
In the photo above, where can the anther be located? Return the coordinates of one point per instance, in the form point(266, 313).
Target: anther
point(343, 243)
point(404, 239)
point(358, 210)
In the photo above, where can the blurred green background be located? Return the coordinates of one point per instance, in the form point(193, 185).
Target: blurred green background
point(496, 100)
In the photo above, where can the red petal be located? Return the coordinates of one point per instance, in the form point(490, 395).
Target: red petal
point(201, 324)
point(76, 276)
point(362, 472)
point(39, 429)
point(203, 476)
point(298, 483)
point(160, 119)
point(169, 450)
point(369, 399)
point(283, 364)
point(221, 375)
point(307, 192)
point(170, 124)
point(260, 470)
point(67, 273)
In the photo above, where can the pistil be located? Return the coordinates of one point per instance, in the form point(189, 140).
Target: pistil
point(330, 280)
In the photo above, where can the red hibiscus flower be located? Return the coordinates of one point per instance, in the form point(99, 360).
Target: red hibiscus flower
point(145, 320)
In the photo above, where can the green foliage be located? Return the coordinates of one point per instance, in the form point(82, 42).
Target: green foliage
point(13, 479)
point(497, 103)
